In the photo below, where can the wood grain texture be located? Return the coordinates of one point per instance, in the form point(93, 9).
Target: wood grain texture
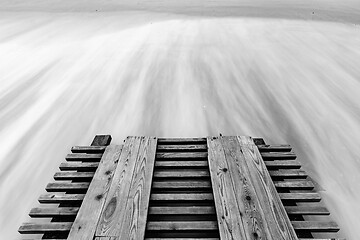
point(272, 209)
point(193, 210)
point(180, 226)
point(182, 148)
point(125, 211)
point(53, 212)
point(134, 222)
point(181, 155)
point(300, 197)
point(61, 198)
point(240, 179)
point(315, 226)
point(84, 176)
point(181, 197)
point(86, 221)
point(307, 210)
point(38, 228)
point(231, 225)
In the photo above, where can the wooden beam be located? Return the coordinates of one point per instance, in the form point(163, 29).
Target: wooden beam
point(83, 166)
point(125, 211)
point(288, 173)
point(61, 198)
point(39, 228)
point(274, 148)
point(181, 148)
point(182, 226)
point(315, 226)
point(181, 164)
point(306, 210)
point(181, 173)
point(278, 155)
point(242, 186)
point(53, 212)
point(93, 157)
point(181, 155)
point(231, 225)
point(182, 140)
point(101, 140)
point(181, 197)
point(193, 210)
point(300, 197)
point(181, 184)
point(295, 184)
point(88, 149)
point(282, 164)
point(83, 176)
point(86, 221)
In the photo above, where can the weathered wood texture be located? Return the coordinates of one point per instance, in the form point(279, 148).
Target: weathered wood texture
point(296, 191)
point(87, 218)
point(125, 212)
point(68, 195)
point(247, 204)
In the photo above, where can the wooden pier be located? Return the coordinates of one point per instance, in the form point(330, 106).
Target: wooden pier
point(227, 187)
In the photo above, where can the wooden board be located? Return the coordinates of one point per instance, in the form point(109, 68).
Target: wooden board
point(85, 223)
point(246, 200)
point(125, 211)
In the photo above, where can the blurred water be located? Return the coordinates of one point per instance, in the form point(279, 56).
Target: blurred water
point(66, 77)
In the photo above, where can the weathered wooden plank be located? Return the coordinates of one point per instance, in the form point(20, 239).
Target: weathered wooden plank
point(315, 226)
point(83, 166)
point(94, 157)
point(274, 148)
point(61, 198)
point(74, 176)
point(284, 164)
point(106, 238)
point(125, 211)
point(181, 164)
point(272, 210)
point(181, 174)
point(85, 223)
point(181, 226)
point(193, 210)
point(181, 155)
point(181, 140)
point(63, 187)
point(135, 215)
point(202, 239)
point(88, 149)
point(181, 197)
point(298, 184)
point(288, 173)
point(53, 212)
point(38, 228)
point(181, 148)
point(300, 197)
point(101, 140)
point(322, 239)
point(231, 225)
point(306, 210)
point(180, 184)
point(278, 155)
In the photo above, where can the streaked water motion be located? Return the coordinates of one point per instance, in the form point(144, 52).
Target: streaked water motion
point(65, 77)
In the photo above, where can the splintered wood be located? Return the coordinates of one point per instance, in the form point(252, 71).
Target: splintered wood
point(247, 204)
